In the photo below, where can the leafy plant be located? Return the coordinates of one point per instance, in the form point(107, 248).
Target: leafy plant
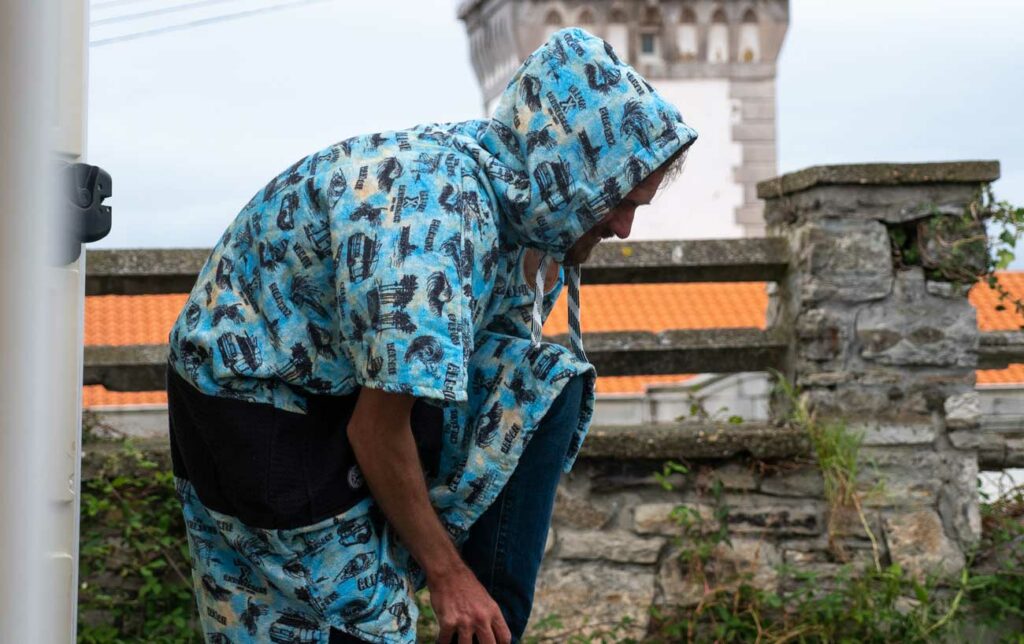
point(836, 451)
point(964, 249)
point(135, 576)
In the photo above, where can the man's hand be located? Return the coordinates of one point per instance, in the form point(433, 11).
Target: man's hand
point(464, 609)
point(385, 449)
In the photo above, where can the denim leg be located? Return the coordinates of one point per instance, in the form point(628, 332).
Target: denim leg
point(506, 544)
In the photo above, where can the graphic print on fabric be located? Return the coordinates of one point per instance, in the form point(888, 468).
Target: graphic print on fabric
point(393, 261)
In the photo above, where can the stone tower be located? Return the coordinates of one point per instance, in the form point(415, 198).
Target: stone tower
point(715, 59)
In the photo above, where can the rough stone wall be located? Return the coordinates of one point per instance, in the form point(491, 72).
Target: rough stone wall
point(876, 344)
point(613, 549)
point(882, 346)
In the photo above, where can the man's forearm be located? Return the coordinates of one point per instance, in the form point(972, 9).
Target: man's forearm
point(391, 466)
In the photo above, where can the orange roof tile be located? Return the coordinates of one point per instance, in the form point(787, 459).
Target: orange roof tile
point(657, 307)
point(100, 396)
point(985, 300)
point(1012, 375)
point(636, 384)
point(131, 319)
point(147, 319)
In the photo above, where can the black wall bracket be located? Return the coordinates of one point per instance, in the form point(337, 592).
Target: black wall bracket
point(84, 217)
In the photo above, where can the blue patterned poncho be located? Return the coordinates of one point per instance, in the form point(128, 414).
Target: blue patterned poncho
point(394, 261)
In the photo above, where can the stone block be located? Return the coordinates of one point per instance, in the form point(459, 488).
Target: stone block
point(746, 514)
point(958, 499)
point(917, 542)
point(753, 171)
point(777, 516)
point(965, 438)
point(905, 457)
point(890, 403)
point(848, 532)
point(914, 328)
point(576, 511)
point(750, 561)
point(764, 89)
point(618, 546)
point(758, 109)
point(764, 132)
point(895, 395)
point(820, 379)
point(589, 597)
point(875, 377)
point(765, 152)
point(616, 475)
point(880, 432)
point(898, 488)
point(733, 476)
point(804, 480)
point(963, 411)
point(843, 261)
point(656, 518)
point(821, 578)
point(890, 204)
point(848, 529)
point(822, 335)
point(950, 290)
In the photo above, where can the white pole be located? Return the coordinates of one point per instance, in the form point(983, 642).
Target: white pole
point(40, 327)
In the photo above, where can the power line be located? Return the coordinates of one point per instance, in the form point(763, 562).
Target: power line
point(200, 23)
point(158, 12)
point(114, 3)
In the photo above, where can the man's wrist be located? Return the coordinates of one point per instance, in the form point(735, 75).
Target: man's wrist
point(443, 568)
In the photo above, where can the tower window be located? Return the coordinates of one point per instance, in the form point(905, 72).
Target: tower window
point(648, 45)
point(686, 35)
point(552, 23)
point(718, 38)
point(750, 38)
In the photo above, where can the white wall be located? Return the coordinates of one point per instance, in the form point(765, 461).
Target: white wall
point(699, 204)
point(618, 37)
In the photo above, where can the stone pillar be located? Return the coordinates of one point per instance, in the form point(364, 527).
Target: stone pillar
point(879, 339)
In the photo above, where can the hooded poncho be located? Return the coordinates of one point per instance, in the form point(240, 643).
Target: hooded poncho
point(394, 261)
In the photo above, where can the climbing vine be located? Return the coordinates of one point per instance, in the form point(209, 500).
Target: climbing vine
point(966, 248)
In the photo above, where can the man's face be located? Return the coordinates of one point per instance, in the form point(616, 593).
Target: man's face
point(618, 221)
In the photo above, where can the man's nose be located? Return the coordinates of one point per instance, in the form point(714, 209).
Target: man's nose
point(622, 224)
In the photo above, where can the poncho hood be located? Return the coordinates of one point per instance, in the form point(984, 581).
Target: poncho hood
point(575, 130)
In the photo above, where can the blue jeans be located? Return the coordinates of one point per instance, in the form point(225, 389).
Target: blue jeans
point(506, 544)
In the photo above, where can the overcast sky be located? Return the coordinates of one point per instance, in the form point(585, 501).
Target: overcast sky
point(192, 123)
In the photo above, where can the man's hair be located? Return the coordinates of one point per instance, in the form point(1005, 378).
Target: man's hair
point(673, 166)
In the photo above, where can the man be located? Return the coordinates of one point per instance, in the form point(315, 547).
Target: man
point(359, 397)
